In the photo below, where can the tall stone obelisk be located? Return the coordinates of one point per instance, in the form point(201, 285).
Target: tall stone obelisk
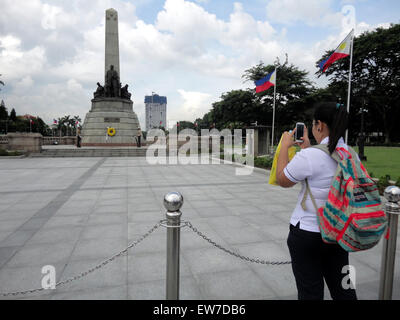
point(111, 121)
point(112, 42)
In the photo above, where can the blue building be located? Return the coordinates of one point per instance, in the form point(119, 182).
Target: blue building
point(156, 111)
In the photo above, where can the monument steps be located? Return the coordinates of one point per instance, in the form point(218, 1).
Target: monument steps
point(98, 152)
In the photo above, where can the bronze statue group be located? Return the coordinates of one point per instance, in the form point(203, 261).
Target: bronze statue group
point(112, 88)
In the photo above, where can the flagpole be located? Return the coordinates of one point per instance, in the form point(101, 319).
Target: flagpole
point(349, 87)
point(273, 115)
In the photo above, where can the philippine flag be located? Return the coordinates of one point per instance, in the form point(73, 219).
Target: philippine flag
point(342, 51)
point(266, 82)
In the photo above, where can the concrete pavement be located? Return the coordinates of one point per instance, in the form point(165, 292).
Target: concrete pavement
point(73, 213)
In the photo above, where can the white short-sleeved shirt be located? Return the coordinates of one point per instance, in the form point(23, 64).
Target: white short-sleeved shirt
point(319, 169)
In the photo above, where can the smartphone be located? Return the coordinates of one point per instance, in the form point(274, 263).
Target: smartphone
point(299, 132)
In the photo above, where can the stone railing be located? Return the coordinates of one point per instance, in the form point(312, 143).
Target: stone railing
point(70, 140)
point(32, 142)
point(3, 142)
point(3, 139)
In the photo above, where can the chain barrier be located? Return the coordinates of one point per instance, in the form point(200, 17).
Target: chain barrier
point(136, 242)
point(234, 253)
point(83, 274)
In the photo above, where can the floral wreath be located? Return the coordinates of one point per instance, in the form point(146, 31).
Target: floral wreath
point(111, 131)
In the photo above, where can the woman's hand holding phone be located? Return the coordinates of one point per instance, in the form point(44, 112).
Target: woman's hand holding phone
point(306, 141)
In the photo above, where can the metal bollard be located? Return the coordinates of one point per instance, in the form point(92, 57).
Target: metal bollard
point(173, 202)
point(392, 209)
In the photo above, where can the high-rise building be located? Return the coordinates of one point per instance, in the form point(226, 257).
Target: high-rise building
point(156, 111)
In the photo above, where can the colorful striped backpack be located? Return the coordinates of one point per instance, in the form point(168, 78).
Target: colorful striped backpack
point(353, 215)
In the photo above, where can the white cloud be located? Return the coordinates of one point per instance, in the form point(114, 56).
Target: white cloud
point(243, 27)
point(310, 12)
point(52, 100)
point(195, 105)
point(184, 18)
point(17, 63)
point(24, 84)
point(49, 19)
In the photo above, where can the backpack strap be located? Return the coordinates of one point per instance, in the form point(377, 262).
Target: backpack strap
point(324, 147)
point(308, 191)
point(336, 157)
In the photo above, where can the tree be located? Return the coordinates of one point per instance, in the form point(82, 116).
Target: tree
point(41, 127)
point(67, 125)
point(77, 121)
point(180, 125)
point(13, 115)
point(66, 122)
point(61, 126)
point(186, 125)
point(375, 78)
point(235, 106)
point(3, 111)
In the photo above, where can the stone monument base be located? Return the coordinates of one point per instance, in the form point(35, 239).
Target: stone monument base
point(107, 113)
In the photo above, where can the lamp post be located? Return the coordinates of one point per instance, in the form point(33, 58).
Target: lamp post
point(361, 139)
point(152, 107)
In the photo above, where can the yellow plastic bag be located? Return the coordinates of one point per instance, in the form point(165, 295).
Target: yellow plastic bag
point(272, 176)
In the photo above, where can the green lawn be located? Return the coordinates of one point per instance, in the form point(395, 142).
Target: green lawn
point(382, 161)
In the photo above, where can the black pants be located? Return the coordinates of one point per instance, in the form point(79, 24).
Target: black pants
point(139, 144)
point(313, 261)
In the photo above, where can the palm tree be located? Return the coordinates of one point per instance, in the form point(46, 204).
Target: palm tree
point(66, 123)
point(76, 119)
point(60, 124)
point(71, 123)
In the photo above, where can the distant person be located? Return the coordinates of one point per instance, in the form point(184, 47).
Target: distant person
point(78, 141)
point(313, 260)
point(139, 137)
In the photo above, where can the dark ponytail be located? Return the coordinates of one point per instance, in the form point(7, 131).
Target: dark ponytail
point(336, 117)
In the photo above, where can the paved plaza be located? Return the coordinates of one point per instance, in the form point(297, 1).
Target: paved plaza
point(73, 213)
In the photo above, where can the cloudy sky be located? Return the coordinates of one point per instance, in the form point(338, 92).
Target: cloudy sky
point(52, 51)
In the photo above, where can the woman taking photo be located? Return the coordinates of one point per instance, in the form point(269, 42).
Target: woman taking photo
point(313, 260)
